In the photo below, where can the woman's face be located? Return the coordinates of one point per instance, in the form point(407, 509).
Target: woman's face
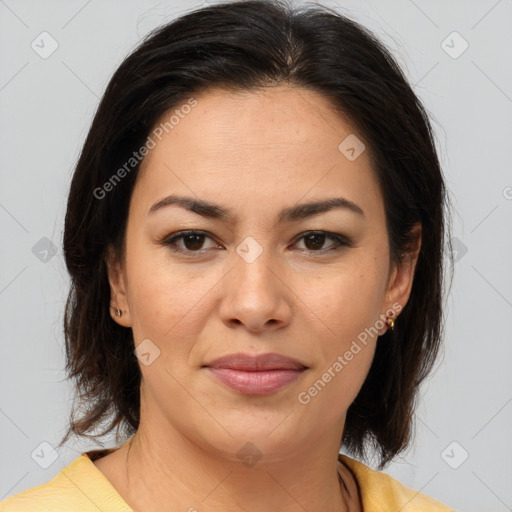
point(255, 282)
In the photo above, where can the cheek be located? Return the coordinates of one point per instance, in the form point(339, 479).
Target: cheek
point(347, 304)
point(170, 305)
point(162, 300)
point(332, 388)
point(348, 298)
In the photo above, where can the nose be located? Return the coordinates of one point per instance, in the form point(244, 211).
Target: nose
point(256, 295)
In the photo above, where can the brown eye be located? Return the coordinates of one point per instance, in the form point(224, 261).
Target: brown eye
point(314, 241)
point(191, 242)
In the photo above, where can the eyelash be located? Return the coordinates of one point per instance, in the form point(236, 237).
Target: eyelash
point(340, 240)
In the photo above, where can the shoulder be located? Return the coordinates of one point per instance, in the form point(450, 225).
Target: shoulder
point(80, 487)
point(381, 492)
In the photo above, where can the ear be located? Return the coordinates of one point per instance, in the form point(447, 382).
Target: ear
point(117, 281)
point(401, 276)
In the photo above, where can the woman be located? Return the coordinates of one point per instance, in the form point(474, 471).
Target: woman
point(254, 235)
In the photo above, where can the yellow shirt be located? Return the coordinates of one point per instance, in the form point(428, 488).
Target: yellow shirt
point(82, 487)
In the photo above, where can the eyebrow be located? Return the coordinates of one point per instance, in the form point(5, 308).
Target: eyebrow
point(290, 214)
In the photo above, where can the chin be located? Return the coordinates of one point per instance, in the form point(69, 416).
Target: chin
point(267, 438)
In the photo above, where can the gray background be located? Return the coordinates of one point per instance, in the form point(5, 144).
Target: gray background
point(46, 107)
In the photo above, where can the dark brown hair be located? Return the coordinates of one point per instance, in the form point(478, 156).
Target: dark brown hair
point(246, 45)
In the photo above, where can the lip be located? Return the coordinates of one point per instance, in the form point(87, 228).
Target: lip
point(256, 375)
point(259, 362)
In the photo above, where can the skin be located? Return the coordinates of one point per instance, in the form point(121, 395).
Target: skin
point(255, 153)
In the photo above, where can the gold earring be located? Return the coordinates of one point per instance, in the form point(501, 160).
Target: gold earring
point(391, 322)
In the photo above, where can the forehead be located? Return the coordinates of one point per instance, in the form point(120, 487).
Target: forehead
point(277, 118)
point(279, 142)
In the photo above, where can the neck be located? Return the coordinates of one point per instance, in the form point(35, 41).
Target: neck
point(168, 465)
point(153, 472)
